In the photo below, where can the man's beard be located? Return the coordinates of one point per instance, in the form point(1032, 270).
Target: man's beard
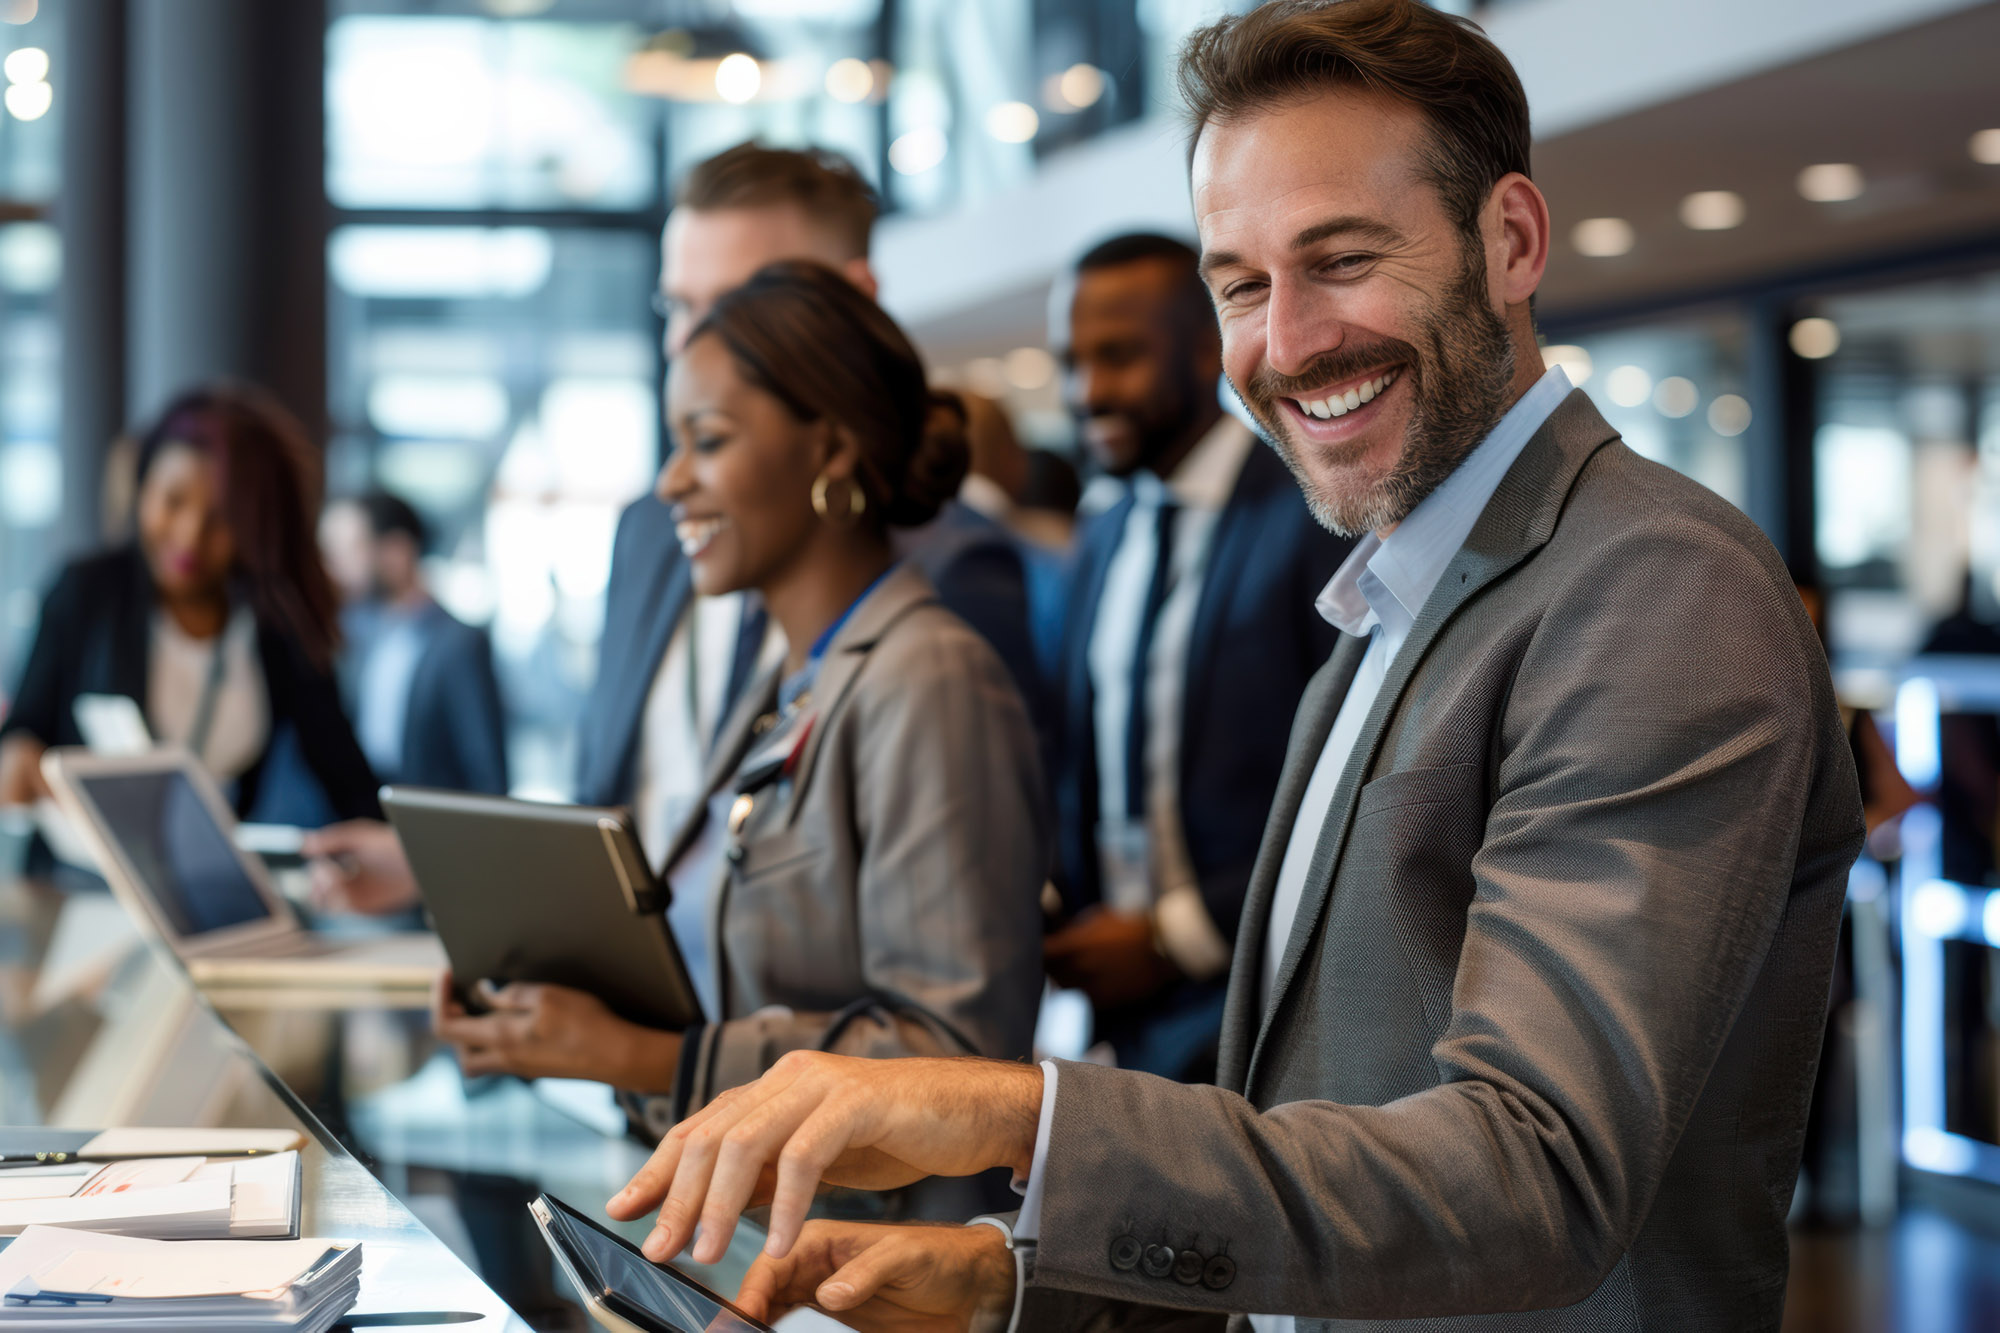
point(1458, 386)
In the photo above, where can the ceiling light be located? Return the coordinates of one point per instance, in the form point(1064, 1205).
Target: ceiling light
point(737, 78)
point(1030, 368)
point(918, 151)
point(1729, 415)
point(30, 64)
point(1831, 183)
point(1628, 386)
point(1985, 147)
point(987, 376)
point(30, 101)
point(1012, 122)
point(1676, 396)
point(1602, 238)
point(850, 80)
point(1815, 338)
point(1574, 360)
point(1712, 210)
point(1081, 85)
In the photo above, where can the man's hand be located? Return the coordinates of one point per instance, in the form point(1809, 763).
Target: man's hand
point(359, 866)
point(541, 1031)
point(889, 1279)
point(21, 781)
point(1109, 955)
point(863, 1124)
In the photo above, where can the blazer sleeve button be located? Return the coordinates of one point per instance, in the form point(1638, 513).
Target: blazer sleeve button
point(1188, 1267)
point(1125, 1253)
point(1219, 1273)
point(1159, 1261)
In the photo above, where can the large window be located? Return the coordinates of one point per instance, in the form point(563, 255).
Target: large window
point(493, 354)
point(31, 471)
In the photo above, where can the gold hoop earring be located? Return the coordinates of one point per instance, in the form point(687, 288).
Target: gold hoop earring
point(857, 500)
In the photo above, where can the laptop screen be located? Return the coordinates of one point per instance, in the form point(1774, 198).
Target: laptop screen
point(183, 858)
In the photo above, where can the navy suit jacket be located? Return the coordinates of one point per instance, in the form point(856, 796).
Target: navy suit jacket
point(455, 729)
point(970, 559)
point(1255, 643)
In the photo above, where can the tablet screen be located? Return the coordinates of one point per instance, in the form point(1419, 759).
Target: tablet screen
point(172, 841)
point(613, 1266)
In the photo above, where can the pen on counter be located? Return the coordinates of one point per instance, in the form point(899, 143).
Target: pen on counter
point(64, 1158)
point(77, 1157)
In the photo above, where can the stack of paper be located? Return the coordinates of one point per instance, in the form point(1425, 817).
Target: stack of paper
point(62, 1281)
point(162, 1198)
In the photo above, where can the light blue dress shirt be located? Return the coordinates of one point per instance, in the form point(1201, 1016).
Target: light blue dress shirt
point(1378, 591)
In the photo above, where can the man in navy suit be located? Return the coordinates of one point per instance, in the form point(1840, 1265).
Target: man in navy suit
point(670, 663)
point(1188, 643)
point(419, 681)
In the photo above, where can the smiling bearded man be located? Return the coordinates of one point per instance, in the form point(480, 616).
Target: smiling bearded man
point(1532, 970)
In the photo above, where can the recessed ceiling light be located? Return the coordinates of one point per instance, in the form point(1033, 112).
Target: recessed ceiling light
point(918, 151)
point(1831, 183)
point(1574, 360)
point(1712, 210)
point(1729, 415)
point(1676, 396)
point(1012, 122)
point(1815, 338)
point(1985, 147)
point(1602, 238)
point(738, 77)
point(849, 80)
point(1629, 386)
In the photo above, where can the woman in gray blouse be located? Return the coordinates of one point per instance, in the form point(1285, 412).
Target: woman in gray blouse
point(868, 861)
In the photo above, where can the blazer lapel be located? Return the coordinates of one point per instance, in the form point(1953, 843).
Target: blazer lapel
point(1317, 711)
point(1516, 522)
point(901, 592)
point(732, 742)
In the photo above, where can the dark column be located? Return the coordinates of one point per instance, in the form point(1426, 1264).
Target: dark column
point(1798, 422)
point(91, 301)
point(227, 247)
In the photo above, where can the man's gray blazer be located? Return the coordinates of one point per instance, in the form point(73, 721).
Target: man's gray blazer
point(1544, 1033)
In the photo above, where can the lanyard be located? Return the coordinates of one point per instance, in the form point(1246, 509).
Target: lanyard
point(211, 690)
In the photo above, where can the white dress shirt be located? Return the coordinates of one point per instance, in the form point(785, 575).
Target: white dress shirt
point(1144, 863)
point(177, 676)
point(1378, 591)
point(683, 709)
point(382, 694)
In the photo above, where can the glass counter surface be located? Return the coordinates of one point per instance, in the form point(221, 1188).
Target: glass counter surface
point(432, 1172)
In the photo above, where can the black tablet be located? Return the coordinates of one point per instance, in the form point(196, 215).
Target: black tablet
point(523, 891)
point(626, 1291)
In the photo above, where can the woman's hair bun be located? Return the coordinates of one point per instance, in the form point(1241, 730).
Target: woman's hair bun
point(808, 336)
point(937, 466)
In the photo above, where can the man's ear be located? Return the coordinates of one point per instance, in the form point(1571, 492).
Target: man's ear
point(858, 272)
point(1517, 233)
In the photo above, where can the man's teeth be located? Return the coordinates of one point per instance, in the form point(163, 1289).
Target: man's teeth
point(1340, 404)
point(696, 533)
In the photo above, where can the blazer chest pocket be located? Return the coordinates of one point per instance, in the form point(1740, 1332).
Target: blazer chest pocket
point(760, 854)
point(1414, 836)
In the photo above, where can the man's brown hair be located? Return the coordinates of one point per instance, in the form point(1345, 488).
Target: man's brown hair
point(1444, 66)
point(818, 181)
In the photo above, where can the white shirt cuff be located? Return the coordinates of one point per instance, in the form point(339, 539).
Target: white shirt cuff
point(1028, 1225)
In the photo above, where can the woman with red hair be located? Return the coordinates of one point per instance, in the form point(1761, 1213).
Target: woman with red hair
point(218, 621)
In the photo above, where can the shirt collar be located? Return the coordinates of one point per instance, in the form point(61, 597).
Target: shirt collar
point(1387, 582)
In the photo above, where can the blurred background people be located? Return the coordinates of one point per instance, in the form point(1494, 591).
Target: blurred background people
point(219, 622)
point(418, 680)
point(1188, 642)
point(671, 664)
point(860, 870)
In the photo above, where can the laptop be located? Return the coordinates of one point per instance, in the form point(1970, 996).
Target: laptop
point(166, 843)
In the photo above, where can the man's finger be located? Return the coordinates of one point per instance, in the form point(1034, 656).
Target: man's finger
point(758, 1139)
point(802, 1162)
point(515, 995)
point(862, 1277)
point(700, 1147)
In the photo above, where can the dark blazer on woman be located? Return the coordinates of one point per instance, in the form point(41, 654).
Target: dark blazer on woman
point(95, 637)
